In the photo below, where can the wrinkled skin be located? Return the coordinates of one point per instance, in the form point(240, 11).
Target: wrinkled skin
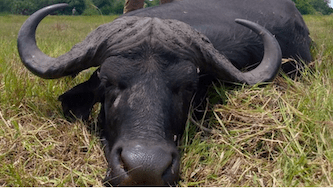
point(150, 69)
point(153, 104)
point(149, 97)
point(215, 18)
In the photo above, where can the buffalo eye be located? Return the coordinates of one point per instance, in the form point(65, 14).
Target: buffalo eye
point(122, 85)
point(191, 87)
point(187, 87)
point(113, 84)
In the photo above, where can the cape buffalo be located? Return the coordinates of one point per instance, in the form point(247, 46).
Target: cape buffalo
point(151, 63)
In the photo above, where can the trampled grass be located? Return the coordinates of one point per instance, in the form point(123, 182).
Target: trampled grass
point(277, 135)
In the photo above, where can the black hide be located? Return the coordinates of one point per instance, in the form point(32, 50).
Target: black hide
point(215, 19)
point(146, 89)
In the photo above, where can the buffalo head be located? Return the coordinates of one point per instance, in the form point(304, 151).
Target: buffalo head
point(147, 77)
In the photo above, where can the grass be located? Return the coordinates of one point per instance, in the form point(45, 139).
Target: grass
point(278, 135)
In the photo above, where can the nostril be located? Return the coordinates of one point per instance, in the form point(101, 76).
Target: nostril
point(121, 162)
point(118, 164)
point(169, 170)
point(115, 172)
point(172, 170)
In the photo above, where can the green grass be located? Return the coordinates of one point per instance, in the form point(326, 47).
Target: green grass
point(278, 135)
point(38, 146)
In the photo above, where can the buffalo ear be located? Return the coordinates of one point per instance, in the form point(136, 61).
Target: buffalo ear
point(78, 101)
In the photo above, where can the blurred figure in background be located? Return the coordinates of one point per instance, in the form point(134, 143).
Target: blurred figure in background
point(131, 5)
point(73, 11)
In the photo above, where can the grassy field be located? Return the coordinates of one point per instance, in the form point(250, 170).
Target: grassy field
point(278, 135)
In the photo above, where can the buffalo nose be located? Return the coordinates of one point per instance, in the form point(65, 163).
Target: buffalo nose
point(145, 165)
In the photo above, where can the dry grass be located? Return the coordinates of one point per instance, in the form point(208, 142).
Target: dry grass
point(44, 152)
point(277, 135)
point(38, 146)
point(260, 139)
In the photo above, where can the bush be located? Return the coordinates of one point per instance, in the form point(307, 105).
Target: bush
point(304, 7)
point(313, 6)
point(27, 7)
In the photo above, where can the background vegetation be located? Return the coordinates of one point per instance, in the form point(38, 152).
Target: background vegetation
point(83, 7)
point(108, 7)
point(277, 135)
point(313, 6)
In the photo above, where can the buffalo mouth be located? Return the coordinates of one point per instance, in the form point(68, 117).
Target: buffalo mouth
point(138, 163)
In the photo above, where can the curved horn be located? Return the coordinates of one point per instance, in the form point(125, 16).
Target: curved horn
point(265, 72)
point(79, 58)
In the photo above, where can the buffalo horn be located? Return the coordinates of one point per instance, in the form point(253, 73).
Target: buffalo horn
point(79, 58)
point(266, 71)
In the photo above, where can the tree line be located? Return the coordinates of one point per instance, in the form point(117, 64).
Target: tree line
point(107, 7)
point(313, 6)
point(82, 7)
